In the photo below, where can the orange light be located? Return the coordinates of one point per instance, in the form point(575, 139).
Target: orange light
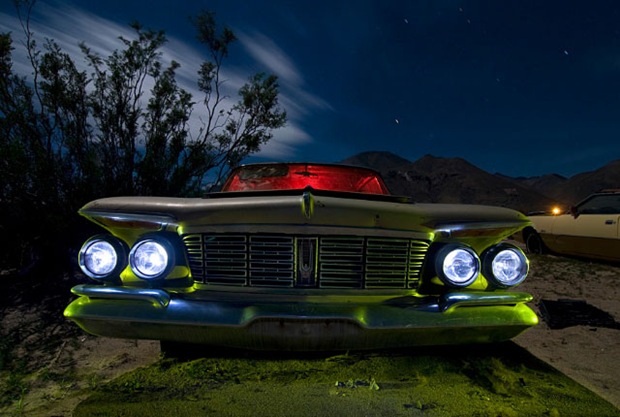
point(556, 211)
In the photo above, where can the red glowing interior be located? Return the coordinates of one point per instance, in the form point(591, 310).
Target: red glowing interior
point(299, 176)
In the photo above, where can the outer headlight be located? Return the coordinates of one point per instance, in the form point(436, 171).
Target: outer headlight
point(151, 258)
point(505, 265)
point(457, 265)
point(103, 257)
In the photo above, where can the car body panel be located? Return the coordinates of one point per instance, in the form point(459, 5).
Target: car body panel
point(131, 216)
point(302, 269)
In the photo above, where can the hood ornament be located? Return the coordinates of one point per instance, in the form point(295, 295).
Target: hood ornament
point(307, 204)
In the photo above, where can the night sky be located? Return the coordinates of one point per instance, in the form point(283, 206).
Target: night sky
point(518, 87)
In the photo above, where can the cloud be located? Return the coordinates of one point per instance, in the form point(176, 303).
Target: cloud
point(69, 26)
point(269, 55)
point(283, 144)
point(266, 52)
point(294, 94)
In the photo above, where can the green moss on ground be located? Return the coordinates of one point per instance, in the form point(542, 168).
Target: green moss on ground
point(494, 380)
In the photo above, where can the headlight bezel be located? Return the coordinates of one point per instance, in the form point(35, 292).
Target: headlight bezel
point(491, 254)
point(452, 250)
point(120, 250)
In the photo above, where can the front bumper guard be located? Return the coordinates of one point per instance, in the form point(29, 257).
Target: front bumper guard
point(296, 323)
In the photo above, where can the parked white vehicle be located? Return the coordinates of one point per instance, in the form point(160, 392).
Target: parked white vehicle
point(590, 229)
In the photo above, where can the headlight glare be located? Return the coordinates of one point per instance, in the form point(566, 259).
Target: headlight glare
point(103, 257)
point(100, 258)
point(505, 265)
point(457, 265)
point(150, 258)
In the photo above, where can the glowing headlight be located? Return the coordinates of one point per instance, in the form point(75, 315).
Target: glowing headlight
point(505, 265)
point(102, 257)
point(457, 265)
point(150, 259)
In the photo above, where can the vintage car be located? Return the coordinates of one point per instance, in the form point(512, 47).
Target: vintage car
point(590, 229)
point(301, 257)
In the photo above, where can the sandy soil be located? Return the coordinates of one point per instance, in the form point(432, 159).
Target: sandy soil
point(93, 361)
point(589, 355)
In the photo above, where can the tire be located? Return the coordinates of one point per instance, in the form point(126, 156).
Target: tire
point(534, 244)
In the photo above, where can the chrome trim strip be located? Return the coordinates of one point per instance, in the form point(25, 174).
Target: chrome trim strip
point(158, 298)
point(162, 218)
point(478, 298)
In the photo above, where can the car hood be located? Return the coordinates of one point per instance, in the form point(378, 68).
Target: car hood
point(298, 210)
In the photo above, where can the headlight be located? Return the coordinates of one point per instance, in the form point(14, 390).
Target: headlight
point(103, 257)
point(505, 265)
point(457, 265)
point(151, 258)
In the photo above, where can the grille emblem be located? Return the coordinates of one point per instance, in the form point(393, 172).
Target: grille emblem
point(307, 205)
point(306, 262)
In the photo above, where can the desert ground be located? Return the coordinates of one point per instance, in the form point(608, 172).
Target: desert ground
point(60, 375)
point(589, 354)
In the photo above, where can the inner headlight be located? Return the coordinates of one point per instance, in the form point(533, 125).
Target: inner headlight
point(151, 258)
point(103, 257)
point(457, 265)
point(505, 265)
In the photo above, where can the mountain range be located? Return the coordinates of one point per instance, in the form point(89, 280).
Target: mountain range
point(433, 179)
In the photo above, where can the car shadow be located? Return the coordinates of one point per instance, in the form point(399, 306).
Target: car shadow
point(563, 313)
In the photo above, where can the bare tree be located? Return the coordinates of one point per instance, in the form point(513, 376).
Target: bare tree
point(120, 127)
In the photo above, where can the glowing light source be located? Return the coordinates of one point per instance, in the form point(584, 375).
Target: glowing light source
point(556, 211)
point(457, 265)
point(149, 259)
point(102, 257)
point(505, 265)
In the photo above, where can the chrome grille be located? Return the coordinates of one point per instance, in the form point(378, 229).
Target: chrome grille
point(260, 260)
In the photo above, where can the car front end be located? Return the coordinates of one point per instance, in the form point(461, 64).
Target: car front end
point(302, 269)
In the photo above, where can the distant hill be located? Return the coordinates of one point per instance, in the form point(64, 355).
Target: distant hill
point(581, 185)
point(454, 180)
point(550, 185)
point(379, 161)
point(572, 190)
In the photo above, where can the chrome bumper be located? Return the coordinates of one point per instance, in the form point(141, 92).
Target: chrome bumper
point(298, 323)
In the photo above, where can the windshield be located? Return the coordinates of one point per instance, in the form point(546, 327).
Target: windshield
point(299, 176)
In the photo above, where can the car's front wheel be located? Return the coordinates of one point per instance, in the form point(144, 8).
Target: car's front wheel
point(534, 243)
